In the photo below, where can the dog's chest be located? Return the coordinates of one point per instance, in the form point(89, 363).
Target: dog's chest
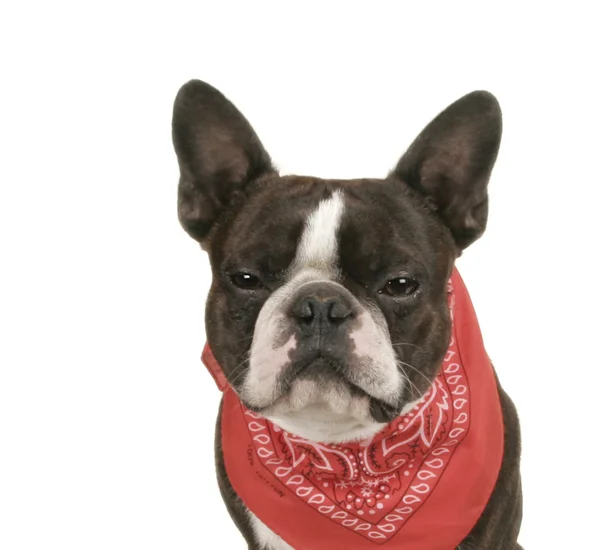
point(267, 540)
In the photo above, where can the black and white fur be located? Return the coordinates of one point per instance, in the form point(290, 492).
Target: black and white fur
point(328, 311)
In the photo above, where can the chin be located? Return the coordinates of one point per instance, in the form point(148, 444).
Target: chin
point(324, 411)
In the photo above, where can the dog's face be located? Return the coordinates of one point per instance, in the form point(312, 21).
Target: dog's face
point(328, 309)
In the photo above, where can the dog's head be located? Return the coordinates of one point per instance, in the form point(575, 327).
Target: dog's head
point(328, 309)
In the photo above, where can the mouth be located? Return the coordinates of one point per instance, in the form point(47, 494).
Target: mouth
point(383, 412)
point(327, 371)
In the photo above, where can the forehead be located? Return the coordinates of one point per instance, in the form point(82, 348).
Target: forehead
point(282, 219)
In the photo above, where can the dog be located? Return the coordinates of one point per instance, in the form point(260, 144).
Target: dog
point(359, 407)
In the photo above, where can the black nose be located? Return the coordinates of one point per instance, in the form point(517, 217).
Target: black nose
point(322, 309)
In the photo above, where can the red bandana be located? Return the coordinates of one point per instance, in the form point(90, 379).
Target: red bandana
point(421, 483)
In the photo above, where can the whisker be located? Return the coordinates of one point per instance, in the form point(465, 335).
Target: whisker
point(415, 369)
point(415, 389)
point(405, 344)
point(237, 372)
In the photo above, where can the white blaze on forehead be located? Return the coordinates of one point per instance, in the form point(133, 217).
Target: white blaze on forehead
point(319, 243)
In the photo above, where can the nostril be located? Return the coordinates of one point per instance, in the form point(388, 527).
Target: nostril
point(321, 310)
point(339, 311)
point(305, 310)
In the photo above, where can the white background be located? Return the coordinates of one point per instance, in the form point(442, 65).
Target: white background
point(106, 414)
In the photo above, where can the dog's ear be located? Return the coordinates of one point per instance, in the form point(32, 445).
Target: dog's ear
point(451, 162)
point(218, 153)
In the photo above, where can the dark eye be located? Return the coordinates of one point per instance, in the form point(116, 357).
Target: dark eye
point(246, 281)
point(400, 287)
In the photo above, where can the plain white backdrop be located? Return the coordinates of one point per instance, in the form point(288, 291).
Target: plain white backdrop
point(106, 413)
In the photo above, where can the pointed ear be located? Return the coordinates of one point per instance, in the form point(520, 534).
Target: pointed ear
point(451, 162)
point(218, 153)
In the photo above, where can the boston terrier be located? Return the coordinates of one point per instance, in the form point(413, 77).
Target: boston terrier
point(360, 409)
